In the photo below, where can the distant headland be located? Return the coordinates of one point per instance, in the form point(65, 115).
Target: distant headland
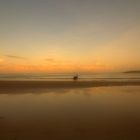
point(136, 71)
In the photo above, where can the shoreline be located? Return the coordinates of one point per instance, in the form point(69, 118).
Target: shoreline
point(63, 84)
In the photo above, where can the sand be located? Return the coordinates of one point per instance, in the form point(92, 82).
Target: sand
point(69, 110)
point(64, 84)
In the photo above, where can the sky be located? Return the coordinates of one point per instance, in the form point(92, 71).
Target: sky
point(69, 35)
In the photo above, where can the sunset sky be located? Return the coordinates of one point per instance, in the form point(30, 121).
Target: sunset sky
point(69, 35)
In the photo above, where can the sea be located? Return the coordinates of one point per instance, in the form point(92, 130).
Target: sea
point(69, 76)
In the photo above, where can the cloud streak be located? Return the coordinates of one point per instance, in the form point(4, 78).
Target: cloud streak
point(50, 60)
point(15, 57)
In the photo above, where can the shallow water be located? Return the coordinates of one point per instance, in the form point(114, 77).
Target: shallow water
point(68, 76)
point(85, 114)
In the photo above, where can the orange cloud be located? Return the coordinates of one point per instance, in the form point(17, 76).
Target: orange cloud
point(49, 60)
point(15, 57)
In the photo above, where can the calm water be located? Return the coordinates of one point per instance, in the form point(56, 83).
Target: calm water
point(61, 77)
point(106, 113)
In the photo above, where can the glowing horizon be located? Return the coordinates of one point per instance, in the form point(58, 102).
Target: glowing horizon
point(69, 36)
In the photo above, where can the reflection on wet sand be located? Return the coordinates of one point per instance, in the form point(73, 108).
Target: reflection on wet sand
point(89, 113)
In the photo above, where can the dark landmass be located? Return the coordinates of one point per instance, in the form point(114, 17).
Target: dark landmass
point(137, 71)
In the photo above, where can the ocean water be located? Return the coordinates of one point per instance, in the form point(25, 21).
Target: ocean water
point(99, 113)
point(69, 76)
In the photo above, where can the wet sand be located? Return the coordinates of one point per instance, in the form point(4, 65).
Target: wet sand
point(100, 113)
point(123, 129)
point(64, 84)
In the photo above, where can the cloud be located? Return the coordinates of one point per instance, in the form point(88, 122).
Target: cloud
point(50, 60)
point(16, 57)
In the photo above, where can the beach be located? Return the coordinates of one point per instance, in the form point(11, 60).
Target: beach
point(85, 110)
point(7, 85)
point(38, 111)
point(70, 70)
